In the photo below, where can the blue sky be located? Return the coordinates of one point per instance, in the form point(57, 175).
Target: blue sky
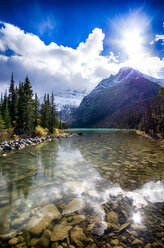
point(79, 42)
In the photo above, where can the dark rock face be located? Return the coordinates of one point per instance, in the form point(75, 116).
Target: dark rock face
point(121, 94)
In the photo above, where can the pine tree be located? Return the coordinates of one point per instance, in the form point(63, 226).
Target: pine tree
point(53, 115)
point(161, 94)
point(28, 93)
point(5, 112)
point(45, 111)
point(2, 123)
point(21, 107)
point(35, 111)
point(12, 101)
point(148, 123)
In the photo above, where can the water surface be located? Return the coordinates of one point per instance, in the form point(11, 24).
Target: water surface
point(107, 188)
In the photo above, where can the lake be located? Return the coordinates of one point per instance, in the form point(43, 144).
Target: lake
point(102, 189)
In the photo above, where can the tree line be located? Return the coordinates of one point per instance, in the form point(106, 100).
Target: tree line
point(152, 120)
point(21, 110)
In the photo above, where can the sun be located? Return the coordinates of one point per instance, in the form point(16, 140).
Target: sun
point(132, 43)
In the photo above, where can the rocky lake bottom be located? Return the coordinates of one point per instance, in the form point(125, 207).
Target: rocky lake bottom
point(95, 190)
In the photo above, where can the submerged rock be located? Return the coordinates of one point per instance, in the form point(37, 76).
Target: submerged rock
point(74, 205)
point(8, 236)
point(51, 211)
point(123, 227)
point(13, 241)
point(137, 242)
point(112, 217)
point(60, 232)
point(78, 237)
point(138, 227)
point(38, 228)
point(115, 242)
point(77, 219)
point(5, 226)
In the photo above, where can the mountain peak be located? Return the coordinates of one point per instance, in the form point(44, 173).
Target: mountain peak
point(128, 72)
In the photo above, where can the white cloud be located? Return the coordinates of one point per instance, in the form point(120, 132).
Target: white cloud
point(157, 38)
point(53, 67)
point(160, 37)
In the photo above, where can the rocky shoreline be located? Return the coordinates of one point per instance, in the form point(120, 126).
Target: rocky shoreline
point(22, 143)
point(158, 138)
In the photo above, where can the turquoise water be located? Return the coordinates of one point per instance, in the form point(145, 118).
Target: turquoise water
point(93, 130)
point(101, 189)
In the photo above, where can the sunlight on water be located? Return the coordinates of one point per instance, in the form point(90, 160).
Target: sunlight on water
point(101, 184)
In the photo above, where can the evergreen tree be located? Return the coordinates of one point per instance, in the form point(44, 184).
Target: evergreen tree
point(53, 115)
point(161, 94)
point(2, 123)
point(45, 112)
point(6, 112)
point(35, 111)
point(28, 93)
point(21, 107)
point(12, 100)
point(148, 123)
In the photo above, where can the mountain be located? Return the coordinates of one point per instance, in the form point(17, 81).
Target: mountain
point(117, 101)
point(67, 102)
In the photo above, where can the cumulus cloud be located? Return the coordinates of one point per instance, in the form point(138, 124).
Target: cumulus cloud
point(53, 67)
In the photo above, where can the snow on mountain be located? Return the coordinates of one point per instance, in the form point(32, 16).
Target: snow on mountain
point(67, 101)
point(124, 74)
point(69, 97)
point(115, 99)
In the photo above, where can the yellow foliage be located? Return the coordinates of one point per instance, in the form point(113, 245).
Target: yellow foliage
point(56, 132)
point(40, 131)
point(15, 137)
point(61, 132)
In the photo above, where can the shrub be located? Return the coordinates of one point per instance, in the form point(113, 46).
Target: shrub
point(15, 137)
point(40, 131)
point(56, 132)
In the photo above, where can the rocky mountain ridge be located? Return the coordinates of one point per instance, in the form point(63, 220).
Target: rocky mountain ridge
point(116, 95)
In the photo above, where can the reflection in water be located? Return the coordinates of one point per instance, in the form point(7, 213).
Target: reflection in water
point(137, 218)
point(87, 172)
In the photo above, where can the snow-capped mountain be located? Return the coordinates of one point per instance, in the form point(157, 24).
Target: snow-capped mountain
point(68, 101)
point(124, 73)
point(69, 97)
point(115, 100)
